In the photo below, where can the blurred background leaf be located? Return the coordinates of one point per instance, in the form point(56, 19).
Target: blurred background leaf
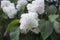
point(10, 25)
point(13, 23)
point(14, 33)
point(52, 18)
point(46, 29)
point(51, 10)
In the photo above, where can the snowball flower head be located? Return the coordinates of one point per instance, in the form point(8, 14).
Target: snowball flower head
point(28, 21)
point(8, 8)
point(57, 26)
point(36, 6)
point(10, 11)
point(21, 3)
point(5, 3)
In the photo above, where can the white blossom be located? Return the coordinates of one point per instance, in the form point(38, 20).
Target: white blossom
point(10, 11)
point(28, 21)
point(5, 0)
point(5, 3)
point(8, 8)
point(57, 26)
point(21, 3)
point(36, 6)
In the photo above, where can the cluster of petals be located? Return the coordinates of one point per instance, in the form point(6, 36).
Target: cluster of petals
point(8, 8)
point(21, 3)
point(36, 6)
point(29, 21)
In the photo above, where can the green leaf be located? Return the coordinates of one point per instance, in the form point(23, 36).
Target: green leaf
point(52, 18)
point(14, 34)
point(53, 36)
point(58, 19)
point(12, 24)
point(46, 28)
point(51, 10)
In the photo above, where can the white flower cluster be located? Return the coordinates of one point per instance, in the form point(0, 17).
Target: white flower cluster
point(36, 6)
point(28, 22)
point(8, 8)
point(57, 26)
point(20, 3)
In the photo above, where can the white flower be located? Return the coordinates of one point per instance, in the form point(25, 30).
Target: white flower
point(57, 26)
point(36, 6)
point(10, 11)
point(5, 3)
point(30, 8)
point(28, 21)
point(8, 8)
point(21, 3)
point(5, 0)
